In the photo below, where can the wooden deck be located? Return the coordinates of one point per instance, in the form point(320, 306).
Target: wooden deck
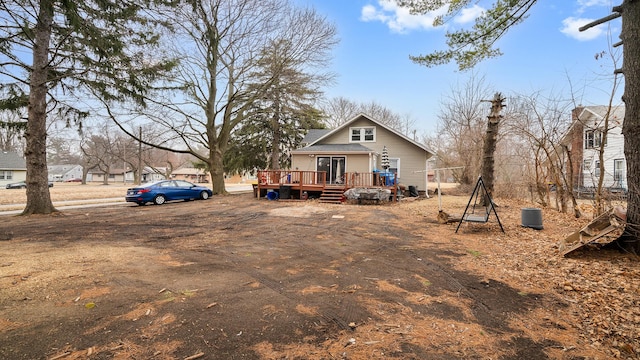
point(297, 182)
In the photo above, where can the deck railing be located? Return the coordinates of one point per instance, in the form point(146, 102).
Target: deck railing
point(292, 177)
point(319, 178)
point(316, 181)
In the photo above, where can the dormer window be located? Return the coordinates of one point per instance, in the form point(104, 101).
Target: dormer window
point(363, 134)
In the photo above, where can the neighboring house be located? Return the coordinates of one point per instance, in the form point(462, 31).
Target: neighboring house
point(191, 174)
point(357, 147)
point(149, 174)
point(115, 176)
point(584, 137)
point(64, 172)
point(13, 168)
point(153, 174)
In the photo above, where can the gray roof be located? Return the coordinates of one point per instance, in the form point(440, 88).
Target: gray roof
point(12, 161)
point(314, 134)
point(60, 169)
point(333, 148)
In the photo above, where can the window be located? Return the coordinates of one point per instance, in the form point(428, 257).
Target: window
point(618, 170)
point(364, 134)
point(592, 139)
point(394, 166)
point(596, 170)
point(6, 175)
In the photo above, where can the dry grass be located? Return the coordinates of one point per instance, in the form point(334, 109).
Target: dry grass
point(68, 191)
point(76, 191)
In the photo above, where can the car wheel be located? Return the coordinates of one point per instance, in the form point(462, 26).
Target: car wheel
point(159, 200)
point(204, 195)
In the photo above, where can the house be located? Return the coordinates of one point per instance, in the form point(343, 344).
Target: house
point(361, 145)
point(191, 174)
point(13, 168)
point(64, 172)
point(115, 176)
point(583, 139)
point(149, 174)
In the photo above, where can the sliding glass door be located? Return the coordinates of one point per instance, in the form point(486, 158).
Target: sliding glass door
point(334, 166)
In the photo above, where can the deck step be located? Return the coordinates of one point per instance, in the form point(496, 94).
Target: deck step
point(332, 195)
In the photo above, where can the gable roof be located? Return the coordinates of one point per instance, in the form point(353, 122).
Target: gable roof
point(581, 114)
point(378, 123)
point(60, 169)
point(600, 111)
point(12, 161)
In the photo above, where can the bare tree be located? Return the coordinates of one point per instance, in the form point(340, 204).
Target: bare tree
point(11, 131)
point(541, 122)
point(98, 152)
point(461, 126)
point(220, 43)
point(339, 110)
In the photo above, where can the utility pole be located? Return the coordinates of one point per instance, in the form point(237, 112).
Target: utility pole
point(139, 173)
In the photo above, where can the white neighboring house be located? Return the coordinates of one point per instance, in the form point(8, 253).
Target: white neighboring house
point(585, 137)
point(64, 172)
point(148, 175)
point(13, 168)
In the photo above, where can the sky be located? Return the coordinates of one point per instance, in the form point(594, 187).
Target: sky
point(545, 54)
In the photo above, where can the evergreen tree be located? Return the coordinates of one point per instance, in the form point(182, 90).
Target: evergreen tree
point(283, 111)
point(77, 48)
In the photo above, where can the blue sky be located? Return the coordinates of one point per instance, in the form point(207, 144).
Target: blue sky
point(540, 55)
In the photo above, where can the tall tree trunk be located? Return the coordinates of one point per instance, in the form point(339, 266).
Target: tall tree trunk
point(38, 197)
point(631, 129)
point(490, 140)
point(601, 171)
point(568, 182)
point(276, 138)
point(216, 169)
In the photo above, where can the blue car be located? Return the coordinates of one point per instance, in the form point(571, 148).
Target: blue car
point(162, 191)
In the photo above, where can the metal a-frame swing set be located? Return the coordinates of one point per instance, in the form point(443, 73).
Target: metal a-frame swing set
point(484, 211)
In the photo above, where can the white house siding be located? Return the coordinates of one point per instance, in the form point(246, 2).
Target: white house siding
point(64, 172)
point(614, 150)
point(11, 176)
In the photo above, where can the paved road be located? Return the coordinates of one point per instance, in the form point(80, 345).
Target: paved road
point(119, 201)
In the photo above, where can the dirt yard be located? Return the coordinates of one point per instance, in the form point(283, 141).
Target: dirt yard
point(235, 277)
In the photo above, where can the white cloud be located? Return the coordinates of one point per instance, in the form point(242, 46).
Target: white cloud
point(571, 25)
point(583, 5)
point(398, 19)
point(469, 14)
